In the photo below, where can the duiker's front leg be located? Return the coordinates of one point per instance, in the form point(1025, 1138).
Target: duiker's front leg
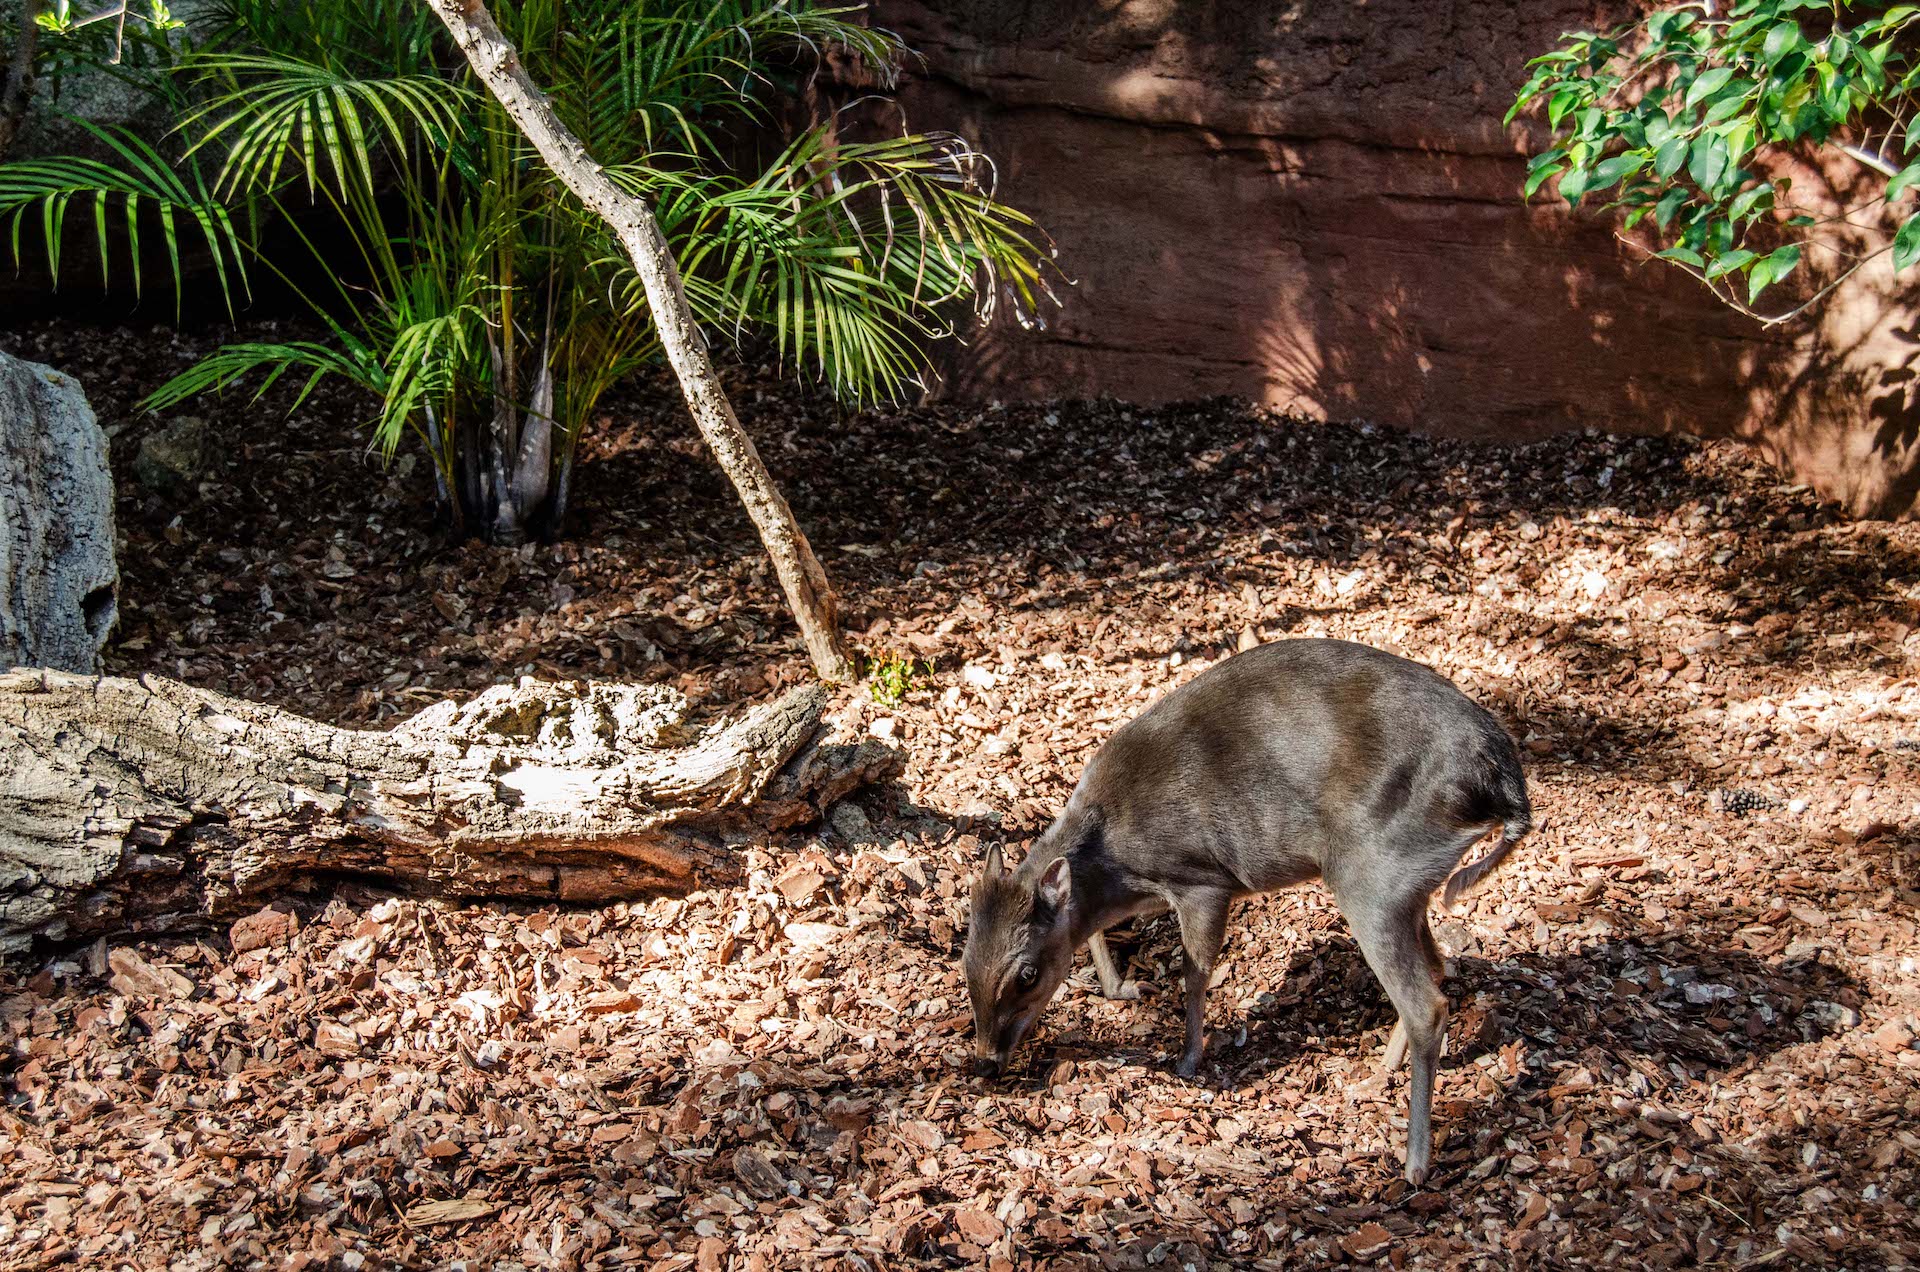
point(1111, 983)
point(1203, 925)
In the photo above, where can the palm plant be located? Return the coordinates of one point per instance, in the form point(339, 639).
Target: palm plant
point(488, 311)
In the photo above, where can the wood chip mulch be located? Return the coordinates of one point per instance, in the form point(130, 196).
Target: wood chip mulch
point(1684, 1014)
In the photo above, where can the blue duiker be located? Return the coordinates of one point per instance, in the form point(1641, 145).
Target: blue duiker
point(1296, 760)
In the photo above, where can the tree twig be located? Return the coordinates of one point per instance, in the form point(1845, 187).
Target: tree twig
point(1861, 154)
point(1738, 306)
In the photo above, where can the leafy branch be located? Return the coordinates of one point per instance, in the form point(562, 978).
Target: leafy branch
point(1681, 119)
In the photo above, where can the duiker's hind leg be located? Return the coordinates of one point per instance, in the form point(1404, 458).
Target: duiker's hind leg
point(1391, 927)
point(1396, 1054)
point(1112, 984)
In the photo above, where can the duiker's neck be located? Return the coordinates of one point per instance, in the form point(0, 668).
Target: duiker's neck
point(1098, 898)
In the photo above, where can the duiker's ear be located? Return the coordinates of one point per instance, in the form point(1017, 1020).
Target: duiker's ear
point(1056, 883)
point(992, 869)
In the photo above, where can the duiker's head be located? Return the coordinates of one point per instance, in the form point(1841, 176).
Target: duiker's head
point(1019, 949)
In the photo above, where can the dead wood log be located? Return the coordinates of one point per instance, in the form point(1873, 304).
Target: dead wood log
point(151, 805)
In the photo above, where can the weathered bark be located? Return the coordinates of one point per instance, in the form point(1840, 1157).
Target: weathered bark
point(496, 64)
point(151, 805)
point(58, 577)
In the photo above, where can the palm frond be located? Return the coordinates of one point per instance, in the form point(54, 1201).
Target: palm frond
point(367, 37)
point(424, 365)
point(845, 254)
point(143, 181)
point(281, 111)
point(664, 75)
point(229, 364)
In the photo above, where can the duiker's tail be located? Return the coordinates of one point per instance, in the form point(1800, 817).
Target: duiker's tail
point(1468, 877)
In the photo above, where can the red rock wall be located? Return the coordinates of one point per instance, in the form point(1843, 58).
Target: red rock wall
point(1316, 206)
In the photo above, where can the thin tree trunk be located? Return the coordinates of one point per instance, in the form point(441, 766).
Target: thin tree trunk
point(533, 464)
point(154, 805)
point(19, 87)
point(506, 527)
point(562, 487)
point(438, 444)
point(497, 65)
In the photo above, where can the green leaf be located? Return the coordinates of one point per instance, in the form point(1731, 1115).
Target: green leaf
point(1836, 99)
point(1724, 107)
point(1559, 104)
point(1901, 180)
point(1770, 269)
point(1748, 203)
point(1611, 170)
point(1669, 204)
point(1782, 40)
point(1708, 84)
point(1729, 262)
point(1707, 161)
point(1670, 157)
point(1739, 139)
point(1906, 243)
point(1684, 255)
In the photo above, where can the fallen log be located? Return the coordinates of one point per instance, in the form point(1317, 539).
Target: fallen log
point(150, 805)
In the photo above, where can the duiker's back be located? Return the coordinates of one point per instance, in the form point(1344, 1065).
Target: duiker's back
point(1278, 760)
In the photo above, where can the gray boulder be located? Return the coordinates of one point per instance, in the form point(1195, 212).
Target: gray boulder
point(59, 582)
point(173, 458)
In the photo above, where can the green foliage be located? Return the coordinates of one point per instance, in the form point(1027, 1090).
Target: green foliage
point(892, 676)
point(60, 18)
point(136, 43)
point(144, 185)
point(488, 311)
point(1681, 116)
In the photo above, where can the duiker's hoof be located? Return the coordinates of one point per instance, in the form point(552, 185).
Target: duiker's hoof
point(1417, 1174)
point(1128, 991)
point(1188, 1066)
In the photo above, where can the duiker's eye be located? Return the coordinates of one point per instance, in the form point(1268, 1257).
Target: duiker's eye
point(1028, 975)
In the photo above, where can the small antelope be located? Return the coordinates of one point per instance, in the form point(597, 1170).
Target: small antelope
point(1291, 761)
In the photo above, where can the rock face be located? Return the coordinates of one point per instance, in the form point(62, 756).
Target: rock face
point(1317, 207)
point(171, 459)
point(58, 578)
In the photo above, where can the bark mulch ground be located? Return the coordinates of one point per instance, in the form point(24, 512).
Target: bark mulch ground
point(1684, 1013)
